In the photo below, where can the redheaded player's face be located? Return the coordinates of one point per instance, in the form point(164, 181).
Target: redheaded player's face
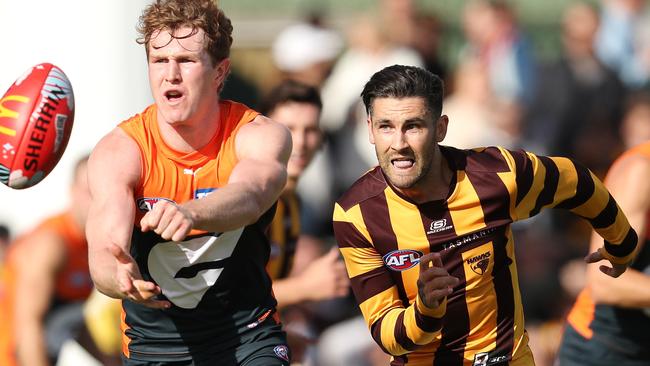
point(183, 81)
point(405, 136)
point(302, 120)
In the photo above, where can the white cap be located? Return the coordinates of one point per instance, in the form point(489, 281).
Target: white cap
point(301, 45)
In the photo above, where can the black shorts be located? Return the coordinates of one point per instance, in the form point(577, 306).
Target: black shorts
point(268, 347)
point(576, 350)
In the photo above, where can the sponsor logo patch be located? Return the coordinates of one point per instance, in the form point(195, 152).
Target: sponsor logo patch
point(200, 193)
point(438, 226)
point(146, 203)
point(401, 260)
point(484, 359)
point(282, 352)
point(468, 239)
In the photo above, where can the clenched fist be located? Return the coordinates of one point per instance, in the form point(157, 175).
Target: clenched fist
point(434, 282)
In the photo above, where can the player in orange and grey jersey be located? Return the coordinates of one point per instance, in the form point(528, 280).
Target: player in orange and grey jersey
point(181, 196)
point(426, 236)
point(608, 325)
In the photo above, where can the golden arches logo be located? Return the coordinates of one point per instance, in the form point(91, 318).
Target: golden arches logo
point(8, 113)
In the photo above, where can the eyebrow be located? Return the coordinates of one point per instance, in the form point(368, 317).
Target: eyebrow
point(410, 120)
point(183, 54)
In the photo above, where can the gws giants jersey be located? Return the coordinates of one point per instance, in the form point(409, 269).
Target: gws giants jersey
point(622, 331)
point(216, 282)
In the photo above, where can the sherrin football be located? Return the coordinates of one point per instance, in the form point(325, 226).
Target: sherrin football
point(36, 116)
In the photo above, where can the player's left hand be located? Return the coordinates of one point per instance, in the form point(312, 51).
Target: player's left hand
point(169, 220)
point(614, 271)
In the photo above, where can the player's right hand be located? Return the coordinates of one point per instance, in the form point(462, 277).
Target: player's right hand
point(434, 282)
point(130, 284)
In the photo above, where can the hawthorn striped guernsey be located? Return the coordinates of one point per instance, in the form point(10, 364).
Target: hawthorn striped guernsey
point(481, 322)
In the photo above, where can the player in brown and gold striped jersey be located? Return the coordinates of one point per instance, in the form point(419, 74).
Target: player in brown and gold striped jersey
point(426, 235)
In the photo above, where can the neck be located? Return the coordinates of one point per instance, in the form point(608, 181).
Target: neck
point(192, 134)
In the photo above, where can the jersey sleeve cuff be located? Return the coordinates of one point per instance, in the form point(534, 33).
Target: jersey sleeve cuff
point(438, 312)
point(616, 260)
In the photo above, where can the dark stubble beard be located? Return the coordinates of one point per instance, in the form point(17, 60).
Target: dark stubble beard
point(423, 169)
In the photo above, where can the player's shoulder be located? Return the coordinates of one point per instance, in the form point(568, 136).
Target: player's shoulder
point(635, 163)
point(370, 185)
point(480, 159)
point(117, 142)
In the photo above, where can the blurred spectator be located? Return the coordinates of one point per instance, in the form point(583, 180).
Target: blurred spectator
point(241, 90)
point(578, 103)
point(495, 38)
point(426, 41)
point(635, 128)
point(300, 271)
point(623, 40)
point(415, 28)
point(99, 339)
point(478, 119)
point(49, 280)
point(370, 50)
point(305, 52)
point(343, 117)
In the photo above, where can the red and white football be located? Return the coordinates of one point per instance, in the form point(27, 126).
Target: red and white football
point(36, 116)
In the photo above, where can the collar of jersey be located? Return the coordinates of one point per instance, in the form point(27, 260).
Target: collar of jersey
point(194, 158)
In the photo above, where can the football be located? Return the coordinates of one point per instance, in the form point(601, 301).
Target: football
point(36, 116)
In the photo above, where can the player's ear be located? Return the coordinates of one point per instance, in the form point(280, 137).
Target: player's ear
point(371, 137)
point(221, 71)
point(441, 127)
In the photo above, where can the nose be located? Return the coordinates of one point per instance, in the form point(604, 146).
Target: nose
point(399, 141)
point(172, 73)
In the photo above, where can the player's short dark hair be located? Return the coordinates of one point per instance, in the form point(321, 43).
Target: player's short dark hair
point(290, 91)
point(399, 81)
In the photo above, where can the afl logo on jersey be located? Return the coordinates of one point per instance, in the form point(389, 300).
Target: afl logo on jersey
point(146, 203)
point(401, 260)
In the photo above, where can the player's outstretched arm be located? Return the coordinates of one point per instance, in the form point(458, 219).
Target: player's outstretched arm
point(114, 168)
point(628, 183)
point(544, 182)
point(263, 148)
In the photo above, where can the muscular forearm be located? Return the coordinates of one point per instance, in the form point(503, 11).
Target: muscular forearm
point(228, 208)
point(630, 290)
point(102, 270)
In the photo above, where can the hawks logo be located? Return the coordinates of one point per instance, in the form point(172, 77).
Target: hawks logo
point(479, 264)
point(401, 260)
point(146, 203)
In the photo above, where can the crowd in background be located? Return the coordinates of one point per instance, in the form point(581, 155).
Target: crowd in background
point(590, 103)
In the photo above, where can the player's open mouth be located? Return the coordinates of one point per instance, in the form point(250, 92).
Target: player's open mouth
point(403, 163)
point(173, 95)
